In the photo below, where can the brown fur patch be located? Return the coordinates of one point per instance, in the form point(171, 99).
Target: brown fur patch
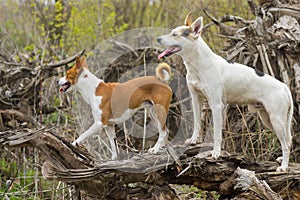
point(117, 97)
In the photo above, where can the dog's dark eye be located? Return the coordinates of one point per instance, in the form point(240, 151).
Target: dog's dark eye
point(174, 34)
point(186, 33)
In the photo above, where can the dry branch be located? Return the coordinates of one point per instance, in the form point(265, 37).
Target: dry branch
point(63, 62)
point(247, 181)
point(20, 90)
point(70, 164)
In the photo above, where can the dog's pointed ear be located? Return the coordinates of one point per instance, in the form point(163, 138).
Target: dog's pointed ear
point(82, 60)
point(196, 27)
point(84, 63)
point(78, 62)
point(188, 19)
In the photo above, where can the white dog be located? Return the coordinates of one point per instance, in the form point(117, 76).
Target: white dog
point(221, 82)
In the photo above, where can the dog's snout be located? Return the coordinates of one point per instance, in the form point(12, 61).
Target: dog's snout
point(158, 40)
point(59, 81)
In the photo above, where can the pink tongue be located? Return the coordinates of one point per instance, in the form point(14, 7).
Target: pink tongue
point(165, 52)
point(61, 90)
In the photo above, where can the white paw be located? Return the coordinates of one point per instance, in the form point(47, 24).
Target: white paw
point(215, 154)
point(191, 141)
point(75, 144)
point(153, 150)
point(281, 169)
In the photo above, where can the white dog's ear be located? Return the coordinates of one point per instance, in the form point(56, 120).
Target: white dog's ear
point(196, 27)
point(188, 19)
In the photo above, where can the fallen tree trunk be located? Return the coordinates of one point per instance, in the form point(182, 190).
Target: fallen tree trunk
point(147, 172)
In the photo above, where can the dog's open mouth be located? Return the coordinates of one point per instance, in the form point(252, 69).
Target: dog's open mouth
point(169, 51)
point(63, 88)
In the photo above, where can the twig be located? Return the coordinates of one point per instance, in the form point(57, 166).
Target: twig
point(227, 30)
point(267, 60)
point(63, 62)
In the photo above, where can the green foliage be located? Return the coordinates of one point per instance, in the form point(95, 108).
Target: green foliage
point(30, 47)
point(67, 27)
point(51, 118)
point(192, 192)
point(7, 168)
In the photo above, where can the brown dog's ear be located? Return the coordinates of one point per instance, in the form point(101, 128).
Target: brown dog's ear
point(196, 27)
point(82, 60)
point(83, 63)
point(188, 19)
point(78, 62)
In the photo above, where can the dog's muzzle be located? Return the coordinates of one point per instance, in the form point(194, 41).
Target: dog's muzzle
point(64, 85)
point(169, 51)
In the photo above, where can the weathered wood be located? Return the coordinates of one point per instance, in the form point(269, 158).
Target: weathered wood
point(70, 164)
point(247, 181)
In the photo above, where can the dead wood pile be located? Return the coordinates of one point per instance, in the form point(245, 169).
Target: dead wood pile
point(151, 176)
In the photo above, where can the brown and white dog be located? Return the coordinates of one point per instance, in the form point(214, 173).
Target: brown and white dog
point(114, 103)
point(222, 82)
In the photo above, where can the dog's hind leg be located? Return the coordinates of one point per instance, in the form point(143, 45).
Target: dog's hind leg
point(110, 132)
point(278, 118)
point(159, 115)
point(264, 116)
point(197, 102)
point(284, 139)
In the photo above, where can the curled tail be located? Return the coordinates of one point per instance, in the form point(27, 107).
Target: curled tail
point(163, 71)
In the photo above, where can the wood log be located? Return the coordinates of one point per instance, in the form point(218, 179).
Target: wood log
point(75, 166)
point(246, 180)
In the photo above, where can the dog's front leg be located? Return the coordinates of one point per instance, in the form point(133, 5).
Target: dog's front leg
point(217, 114)
point(96, 127)
point(110, 132)
point(197, 102)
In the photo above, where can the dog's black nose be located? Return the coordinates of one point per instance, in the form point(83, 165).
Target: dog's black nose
point(158, 39)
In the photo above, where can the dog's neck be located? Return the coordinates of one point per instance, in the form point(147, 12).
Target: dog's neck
point(87, 84)
point(201, 57)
